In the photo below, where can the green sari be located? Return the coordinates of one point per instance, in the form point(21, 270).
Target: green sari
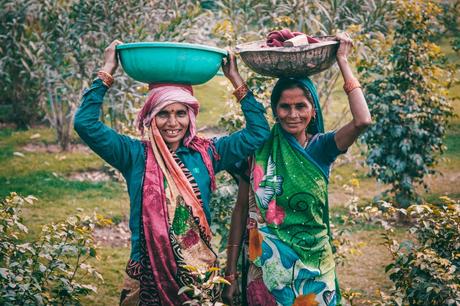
point(289, 237)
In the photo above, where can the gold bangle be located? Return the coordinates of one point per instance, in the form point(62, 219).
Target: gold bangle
point(241, 92)
point(106, 78)
point(351, 85)
point(233, 245)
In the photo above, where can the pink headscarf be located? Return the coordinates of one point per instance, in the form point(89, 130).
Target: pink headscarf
point(164, 94)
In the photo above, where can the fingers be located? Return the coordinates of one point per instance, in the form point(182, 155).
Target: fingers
point(113, 44)
point(231, 58)
point(229, 62)
point(344, 38)
point(346, 45)
point(110, 57)
point(227, 59)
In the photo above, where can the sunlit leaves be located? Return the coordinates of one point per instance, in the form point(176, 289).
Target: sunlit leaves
point(427, 271)
point(205, 283)
point(51, 269)
point(406, 89)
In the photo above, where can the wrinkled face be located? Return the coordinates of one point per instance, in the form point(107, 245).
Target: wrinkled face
point(294, 111)
point(172, 122)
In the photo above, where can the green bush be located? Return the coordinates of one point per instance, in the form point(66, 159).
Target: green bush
point(51, 269)
point(426, 271)
point(203, 291)
point(222, 203)
point(406, 87)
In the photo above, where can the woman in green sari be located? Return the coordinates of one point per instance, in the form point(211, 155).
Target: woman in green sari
point(290, 260)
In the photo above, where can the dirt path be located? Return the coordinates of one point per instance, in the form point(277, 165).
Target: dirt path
point(113, 236)
point(364, 272)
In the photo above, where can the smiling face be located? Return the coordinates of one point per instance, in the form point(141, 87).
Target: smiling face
point(294, 112)
point(173, 122)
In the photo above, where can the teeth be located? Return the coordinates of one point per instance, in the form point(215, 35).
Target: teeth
point(172, 132)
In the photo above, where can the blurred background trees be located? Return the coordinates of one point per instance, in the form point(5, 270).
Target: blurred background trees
point(51, 50)
point(20, 79)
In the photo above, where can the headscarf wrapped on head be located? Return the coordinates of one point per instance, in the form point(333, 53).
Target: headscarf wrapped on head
point(163, 94)
point(316, 125)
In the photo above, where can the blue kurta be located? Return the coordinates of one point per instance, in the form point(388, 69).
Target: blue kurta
point(128, 156)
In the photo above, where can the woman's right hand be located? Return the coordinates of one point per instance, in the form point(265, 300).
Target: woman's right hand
point(110, 57)
point(229, 292)
point(230, 69)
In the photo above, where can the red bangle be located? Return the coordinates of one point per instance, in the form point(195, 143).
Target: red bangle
point(351, 85)
point(106, 78)
point(241, 92)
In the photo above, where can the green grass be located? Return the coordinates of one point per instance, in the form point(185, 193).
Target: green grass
point(10, 137)
point(49, 162)
point(63, 197)
point(213, 96)
point(112, 263)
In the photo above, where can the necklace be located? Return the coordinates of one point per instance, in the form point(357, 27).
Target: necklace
point(306, 141)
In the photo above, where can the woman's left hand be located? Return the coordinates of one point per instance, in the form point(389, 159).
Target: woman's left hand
point(346, 45)
point(230, 293)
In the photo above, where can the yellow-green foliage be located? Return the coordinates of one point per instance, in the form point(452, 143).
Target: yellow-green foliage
point(407, 92)
point(427, 271)
point(51, 269)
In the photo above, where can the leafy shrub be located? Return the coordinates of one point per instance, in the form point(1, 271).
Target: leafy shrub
point(69, 67)
point(206, 283)
point(427, 271)
point(406, 90)
point(51, 269)
point(222, 203)
point(426, 267)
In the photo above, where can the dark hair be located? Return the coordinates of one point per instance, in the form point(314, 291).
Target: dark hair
point(284, 85)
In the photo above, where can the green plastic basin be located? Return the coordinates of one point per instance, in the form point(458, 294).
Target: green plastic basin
point(155, 62)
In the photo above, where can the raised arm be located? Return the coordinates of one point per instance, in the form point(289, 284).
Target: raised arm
point(243, 143)
point(347, 135)
point(114, 148)
point(237, 228)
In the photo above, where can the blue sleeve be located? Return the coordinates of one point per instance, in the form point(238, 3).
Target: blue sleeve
point(324, 149)
point(241, 144)
point(114, 148)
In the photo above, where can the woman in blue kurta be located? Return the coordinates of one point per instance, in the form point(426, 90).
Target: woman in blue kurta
point(170, 177)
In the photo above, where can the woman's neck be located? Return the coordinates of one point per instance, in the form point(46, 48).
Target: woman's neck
point(173, 147)
point(302, 138)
